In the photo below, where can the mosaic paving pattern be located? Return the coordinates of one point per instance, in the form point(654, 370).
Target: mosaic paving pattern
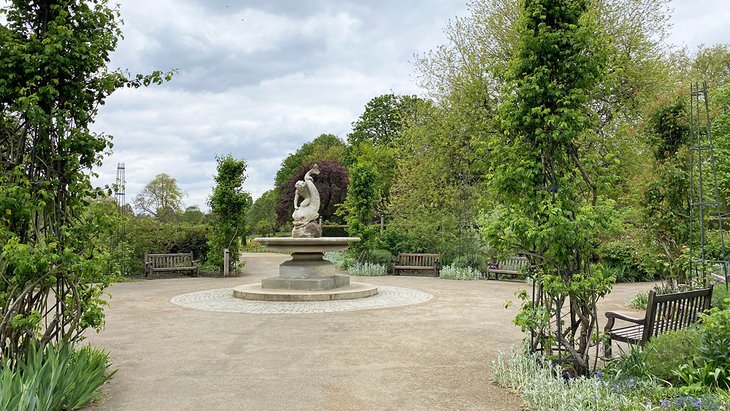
point(222, 300)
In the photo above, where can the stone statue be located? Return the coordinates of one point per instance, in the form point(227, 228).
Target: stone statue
point(306, 212)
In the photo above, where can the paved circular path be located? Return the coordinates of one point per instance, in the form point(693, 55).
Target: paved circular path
point(222, 300)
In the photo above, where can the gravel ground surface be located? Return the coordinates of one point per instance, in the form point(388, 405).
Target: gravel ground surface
point(433, 354)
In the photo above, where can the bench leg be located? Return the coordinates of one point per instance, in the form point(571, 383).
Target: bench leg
point(607, 352)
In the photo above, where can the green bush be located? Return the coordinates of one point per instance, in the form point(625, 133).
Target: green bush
point(451, 272)
point(668, 351)
point(144, 234)
point(381, 257)
point(334, 230)
point(721, 297)
point(477, 262)
point(343, 260)
point(639, 301)
point(367, 269)
point(58, 377)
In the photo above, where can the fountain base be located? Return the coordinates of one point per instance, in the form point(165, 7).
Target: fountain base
point(350, 292)
point(307, 276)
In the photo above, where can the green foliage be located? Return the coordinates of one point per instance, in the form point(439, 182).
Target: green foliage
point(367, 269)
point(376, 256)
point(324, 147)
point(138, 235)
point(546, 177)
point(721, 297)
point(639, 301)
point(476, 262)
point(53, 78)
point(228, 206)
point(721, 136)
point(57, 377)
point(666, 194)
point(343, 260)
point(161, 198)
point(358, 205)
point(669, 351)
point(261, 218)
point(451, 272)
point(537, 383)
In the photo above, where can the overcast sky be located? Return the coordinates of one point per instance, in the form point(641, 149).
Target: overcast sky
point(257, 79)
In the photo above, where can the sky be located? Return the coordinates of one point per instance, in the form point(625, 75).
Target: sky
point(257, 79)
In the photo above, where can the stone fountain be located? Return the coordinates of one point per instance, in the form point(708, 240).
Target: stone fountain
point(307, 276)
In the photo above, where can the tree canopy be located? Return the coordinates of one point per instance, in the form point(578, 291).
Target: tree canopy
point(160, 198)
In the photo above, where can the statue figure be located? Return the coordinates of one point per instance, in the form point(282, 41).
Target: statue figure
point(306, 212)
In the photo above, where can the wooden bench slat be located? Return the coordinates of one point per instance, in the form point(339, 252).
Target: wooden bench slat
point(169, 262)
point(417, 261)
point(514, 266)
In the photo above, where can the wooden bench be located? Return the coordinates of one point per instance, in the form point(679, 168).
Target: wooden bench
point(510, 266)
point(426, 263)
point(154, 263)
point(664, 313)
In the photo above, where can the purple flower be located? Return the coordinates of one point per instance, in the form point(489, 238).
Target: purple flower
point(664, 402)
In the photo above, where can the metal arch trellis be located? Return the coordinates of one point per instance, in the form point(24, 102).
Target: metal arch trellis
point(703, 205)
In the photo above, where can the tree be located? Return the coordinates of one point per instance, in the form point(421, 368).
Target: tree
point(551, 209)
point(193, 215)
point(666, 192)
point(53, 269)
point(161, 198)
point(358, 205)
point(331, 182)
point(324, 147)
point(261, 219)
point(228, 205)
point(372, 142)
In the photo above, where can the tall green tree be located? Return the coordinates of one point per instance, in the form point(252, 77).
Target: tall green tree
point(53, 77)
point(261, 219)
point(551, 209)
point(666, 193)
point(228, 206)
point(373, 144)
point(324, 147)
point(160, 198)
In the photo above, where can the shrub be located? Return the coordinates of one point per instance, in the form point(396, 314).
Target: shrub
point(58, 377)
point(639, 301)
point(343, 260)
point(477, 262)
point(451, 272)
point(720, 296)
point(381, 257)
point(542, 390)
point(367, 269)
point(668, 351)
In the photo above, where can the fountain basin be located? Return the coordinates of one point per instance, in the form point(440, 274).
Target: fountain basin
point(307, 245)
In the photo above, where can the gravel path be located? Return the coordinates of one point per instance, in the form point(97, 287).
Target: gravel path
point(431, 353)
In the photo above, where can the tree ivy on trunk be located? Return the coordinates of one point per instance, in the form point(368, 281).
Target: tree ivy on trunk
point(551, 208)
point(53, 77)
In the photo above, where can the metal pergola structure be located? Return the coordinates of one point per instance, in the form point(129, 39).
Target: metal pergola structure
point(704, 206)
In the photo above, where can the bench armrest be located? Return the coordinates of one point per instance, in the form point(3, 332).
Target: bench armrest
point(611, 315)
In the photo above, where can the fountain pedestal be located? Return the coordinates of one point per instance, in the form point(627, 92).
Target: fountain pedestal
point(307, 276)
